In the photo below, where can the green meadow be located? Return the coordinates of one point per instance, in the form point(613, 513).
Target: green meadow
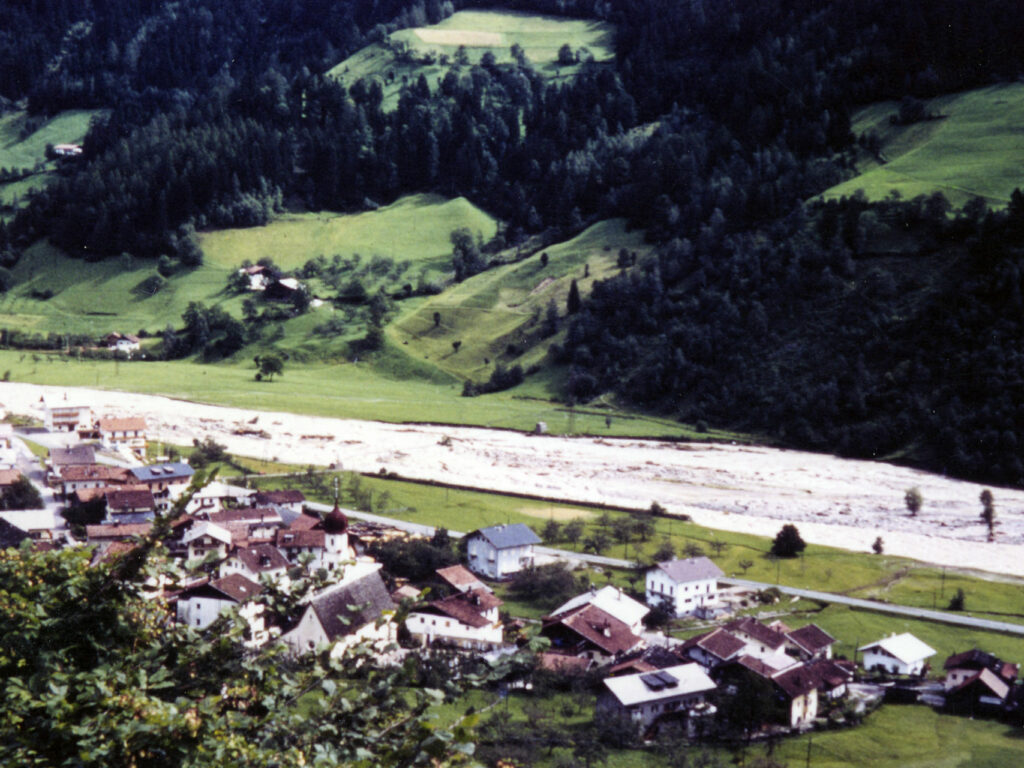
point(508, 305)
point(430, 50)
point(976, 149)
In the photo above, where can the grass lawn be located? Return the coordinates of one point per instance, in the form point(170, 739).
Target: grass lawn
point(977, 149)
point(508, 305)
point(480, 32)
point(65, 128)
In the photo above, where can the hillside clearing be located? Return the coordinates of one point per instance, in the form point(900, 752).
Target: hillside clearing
point(975, 149)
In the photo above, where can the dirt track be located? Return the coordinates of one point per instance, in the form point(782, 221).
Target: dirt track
point(834, 501)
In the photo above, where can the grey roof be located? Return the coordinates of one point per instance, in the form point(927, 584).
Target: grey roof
point(508, 536)
point(76, 454)
point(690, 569)
point(157, 472)
point(345, 610)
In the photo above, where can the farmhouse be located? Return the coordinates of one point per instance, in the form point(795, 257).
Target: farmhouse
point(122, 342)
point(77, 476)
point(687, 586)
point(714, 648)
point(964, 666)
point(678, 691)
point(501, 550)
point(897, 654)
point(465, 620)
point(982, 693)
point(591, 633)
point(612, 601)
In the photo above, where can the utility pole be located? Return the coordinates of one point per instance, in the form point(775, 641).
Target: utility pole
point(810, 741)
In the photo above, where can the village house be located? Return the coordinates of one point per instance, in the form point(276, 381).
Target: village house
point(217, 495)
point(897, 654)
point(254, 561)
point(82, 454)
point(591, 633)
point(129, 506)
point(984, 693)
point(249, 523)
point(686, 587)
point(467, 620)
point(78, 476)
point(11, 535)
point(678, 692)
point(287, 498)
point(961, 667)
point(714, 648)
point(808, 642)
point(355, 610)
point(612, 601)
point(200, 605)
point(460, 578)
point(127, 435)
point(204, 537)
point(501, 550)
point(326, 541)
point(61, 417)
point(761, 640)
point(257, 275)
point(167, 482)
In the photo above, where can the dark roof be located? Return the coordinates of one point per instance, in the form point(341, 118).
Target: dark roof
point(972, 659)
point(467, 607)
point(811, 638)
point(797, 681)
point(279, 497)
point(237, 587)
point(305, 522)
point(508, 536)
point(121, 499)
point(718, 643)
point(154, 473)
point(11, 535)
point(830, 674)
point(351, 606)
point(335, 521)
point(647, 660)
point(755, 629)
point(82, 453)
point(756, 666)
point(690, 569)
point(260, 558)
point(597, 627)
point(986, 679)
point(290, 537)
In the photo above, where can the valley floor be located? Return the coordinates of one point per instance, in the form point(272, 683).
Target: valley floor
point(838, 502)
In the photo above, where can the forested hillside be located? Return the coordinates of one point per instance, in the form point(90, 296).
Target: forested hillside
point(715, 126)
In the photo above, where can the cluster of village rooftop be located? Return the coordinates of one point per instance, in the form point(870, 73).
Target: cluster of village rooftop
point(252, 538)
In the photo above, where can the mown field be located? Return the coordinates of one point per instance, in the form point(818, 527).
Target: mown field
point(432, 49)
point(975, 149)
point(508, 305)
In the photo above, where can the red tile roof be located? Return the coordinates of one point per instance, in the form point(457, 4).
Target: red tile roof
point(597, 627)
point(125, 499)
point(126, 424)
point(287, 538)
point(718, 643)
point(811, 638)
point(467, 607)
point(96, 472)
point(260, 558)
point(755, 629)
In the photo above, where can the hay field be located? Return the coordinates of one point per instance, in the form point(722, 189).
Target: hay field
point(977, 149)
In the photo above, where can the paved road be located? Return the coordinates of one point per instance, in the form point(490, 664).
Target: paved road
point(828, 597)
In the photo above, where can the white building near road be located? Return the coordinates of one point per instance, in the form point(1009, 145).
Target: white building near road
point(647, 696)
point(501, 550)
point(897, 654)
point(686, 586)
point(612, 601)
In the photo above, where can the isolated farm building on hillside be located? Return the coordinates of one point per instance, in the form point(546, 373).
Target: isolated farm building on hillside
point(612, 601)
point(465, 619)
point(687, 586)
point(897, 654)
point(122, 342)
point(675, 692)
point(501, 550)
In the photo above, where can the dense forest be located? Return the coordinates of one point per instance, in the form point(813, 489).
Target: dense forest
point(716, 124)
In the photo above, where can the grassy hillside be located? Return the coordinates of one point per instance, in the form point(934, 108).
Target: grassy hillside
point(975, 149)
point(431, 49)
point(508, 305)
point(99, 297)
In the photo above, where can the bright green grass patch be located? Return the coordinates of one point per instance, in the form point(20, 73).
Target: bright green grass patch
point(508, 305)
point(910, 737)
point(977, 149)
point(415, 228)
point(66, 128)
point(480, 32)
point(350, 390)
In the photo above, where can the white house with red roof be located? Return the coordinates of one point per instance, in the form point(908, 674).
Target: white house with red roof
point(466, 620)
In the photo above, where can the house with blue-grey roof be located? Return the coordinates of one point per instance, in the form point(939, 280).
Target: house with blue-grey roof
point(167, 482)
point(501, 550)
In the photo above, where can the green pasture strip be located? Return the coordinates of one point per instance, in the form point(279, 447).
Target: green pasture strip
point(975, 149)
